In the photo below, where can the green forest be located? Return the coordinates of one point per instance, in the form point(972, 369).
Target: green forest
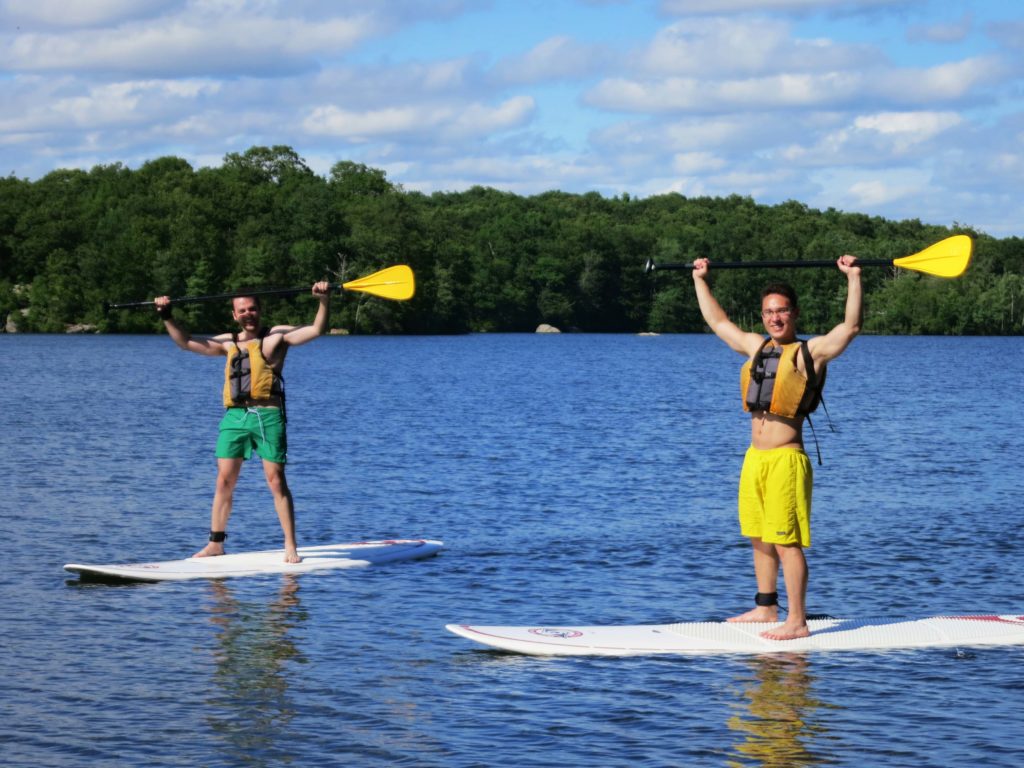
point(485, 260)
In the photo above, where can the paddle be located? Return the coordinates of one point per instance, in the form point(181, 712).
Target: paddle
point(396, 283)
point(946, 258)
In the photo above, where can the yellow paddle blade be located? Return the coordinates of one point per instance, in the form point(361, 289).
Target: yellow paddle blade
point(395, 282)
point(947, 258)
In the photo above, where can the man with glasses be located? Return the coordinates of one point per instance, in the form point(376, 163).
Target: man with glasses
point(781, 385)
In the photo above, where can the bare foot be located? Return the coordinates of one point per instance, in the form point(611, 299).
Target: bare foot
point(213, 549)
point(787, 632)
point(291, 555)
point(762, 613)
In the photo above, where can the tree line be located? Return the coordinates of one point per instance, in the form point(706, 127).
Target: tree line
point(485, 260)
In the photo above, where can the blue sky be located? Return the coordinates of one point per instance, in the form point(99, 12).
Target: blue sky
point(896, 108)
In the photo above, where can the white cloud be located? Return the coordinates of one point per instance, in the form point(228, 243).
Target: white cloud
point(719, 47)
point(727, 134)
point(870, 194)
point(439, 76)
point(117, 104)
point(187, 47)
point(681, 94)
point(689, 163)
point(910, 126)
point(381, 85)
point(555, 58)
point(477, 120)
point(473, 120)
point(102, 106)
point(873, 193)
point(876, 140)
point(362, 126)
point(70, 14)
point(941, 84)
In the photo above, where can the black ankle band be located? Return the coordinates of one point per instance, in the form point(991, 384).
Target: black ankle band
point(218, 536)
point(766, 598)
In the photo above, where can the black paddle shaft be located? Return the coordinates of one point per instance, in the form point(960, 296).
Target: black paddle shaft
point(220, 297)
point(650, 266)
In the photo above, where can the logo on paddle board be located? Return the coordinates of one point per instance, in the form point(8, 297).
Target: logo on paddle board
point(563, 634)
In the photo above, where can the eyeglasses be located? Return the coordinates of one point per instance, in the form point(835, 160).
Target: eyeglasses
point(782, 312)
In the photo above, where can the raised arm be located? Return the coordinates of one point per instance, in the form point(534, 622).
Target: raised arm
point(184, 340)
point(301, 334)
point(739, 340)
point(832, 344)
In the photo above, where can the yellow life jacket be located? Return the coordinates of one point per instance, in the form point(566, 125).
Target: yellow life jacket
point(248, 376)
point(770, 381)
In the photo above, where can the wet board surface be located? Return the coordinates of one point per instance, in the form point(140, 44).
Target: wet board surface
point(723, 637)
point(319, 558)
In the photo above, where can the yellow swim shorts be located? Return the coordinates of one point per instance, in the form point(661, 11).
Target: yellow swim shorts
point(775, 496)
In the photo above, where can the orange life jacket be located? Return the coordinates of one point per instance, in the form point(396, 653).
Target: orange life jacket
point(248, 377)
point(770, 381)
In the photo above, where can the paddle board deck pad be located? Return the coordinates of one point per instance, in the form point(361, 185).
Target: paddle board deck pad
point(726, 637)
point(321, 558)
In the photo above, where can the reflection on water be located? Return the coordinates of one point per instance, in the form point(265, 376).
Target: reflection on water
point(254, 646)
point(776, 724)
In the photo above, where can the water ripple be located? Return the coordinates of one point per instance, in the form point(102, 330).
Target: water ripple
point(578, 479)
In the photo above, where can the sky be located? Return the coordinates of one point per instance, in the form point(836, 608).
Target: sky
point(906, 109)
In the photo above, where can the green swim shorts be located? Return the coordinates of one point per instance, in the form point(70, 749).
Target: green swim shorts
point(775, 496)
point(244, 430)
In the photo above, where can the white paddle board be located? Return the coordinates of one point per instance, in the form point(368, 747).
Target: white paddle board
point(726, 637)
point(352, 555)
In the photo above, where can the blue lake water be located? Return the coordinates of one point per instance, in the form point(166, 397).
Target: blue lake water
point(575, 479)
